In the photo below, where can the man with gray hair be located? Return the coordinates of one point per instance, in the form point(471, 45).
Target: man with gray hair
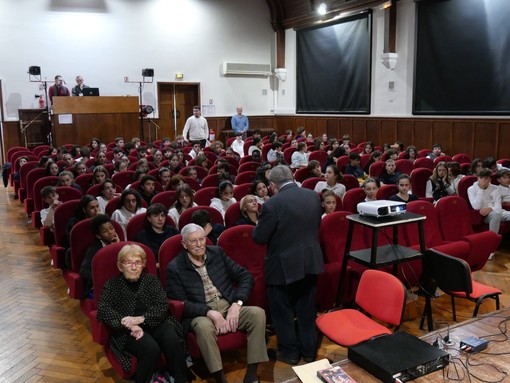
point(203, 277)
point(289, 225)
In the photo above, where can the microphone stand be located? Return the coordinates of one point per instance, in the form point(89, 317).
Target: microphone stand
point(35, 78)
point(140, 88)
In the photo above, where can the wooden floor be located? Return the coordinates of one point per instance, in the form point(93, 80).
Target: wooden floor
point(44, 336)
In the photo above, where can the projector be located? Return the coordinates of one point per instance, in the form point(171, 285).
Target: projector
point(381, 208)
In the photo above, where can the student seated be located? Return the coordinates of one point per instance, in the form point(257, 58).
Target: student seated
point(147, 188)
point(486, 198)
point(328, 202)
point(436, 152)
point(353, 167)
point(131, 205)
point(158, 231)
point(105, 233)
point(66, 178)
point(439, 184)
point(503, 177)
point(226, 192)
point(249, 210)
point(404, 185)
point(389, 175)
point(211, 230)
point(332, 181)
point(370, 187)
point(49, 196)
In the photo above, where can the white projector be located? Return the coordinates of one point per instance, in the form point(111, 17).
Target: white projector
point(381, 208)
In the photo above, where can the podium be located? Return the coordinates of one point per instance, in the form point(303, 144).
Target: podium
point(77, 119)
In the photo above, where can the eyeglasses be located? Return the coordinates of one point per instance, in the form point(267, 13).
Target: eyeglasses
point(195, 242)
point(132, 263)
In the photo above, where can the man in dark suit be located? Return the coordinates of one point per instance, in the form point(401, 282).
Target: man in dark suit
point(289, 225)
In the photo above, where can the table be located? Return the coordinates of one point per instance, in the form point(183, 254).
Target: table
point(380, 256)
point(482, 326)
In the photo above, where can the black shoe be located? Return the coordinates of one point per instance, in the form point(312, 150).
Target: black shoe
point(308, 359)
point(277, 355)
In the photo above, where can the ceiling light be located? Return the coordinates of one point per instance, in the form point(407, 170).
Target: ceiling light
point(322, 9)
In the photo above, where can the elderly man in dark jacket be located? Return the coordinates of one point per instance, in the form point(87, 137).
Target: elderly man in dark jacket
point(202, 277)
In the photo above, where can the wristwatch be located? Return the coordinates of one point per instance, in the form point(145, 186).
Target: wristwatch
point(240, 302)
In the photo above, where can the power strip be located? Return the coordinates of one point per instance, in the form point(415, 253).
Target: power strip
point(473, 345)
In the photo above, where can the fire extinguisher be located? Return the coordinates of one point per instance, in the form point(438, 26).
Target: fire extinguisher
point(41, 102)
point(212, 135)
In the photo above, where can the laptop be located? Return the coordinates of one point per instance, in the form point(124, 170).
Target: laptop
point(91, 91)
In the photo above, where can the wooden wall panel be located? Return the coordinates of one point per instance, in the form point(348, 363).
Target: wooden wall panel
point(388, 132)
point(485, 138)
point(462, 133)
point(405, 131)
point(423, 134)
point(442, 134)
point(504, 140)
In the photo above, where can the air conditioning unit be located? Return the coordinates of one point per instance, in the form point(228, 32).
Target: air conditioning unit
point(239, 69)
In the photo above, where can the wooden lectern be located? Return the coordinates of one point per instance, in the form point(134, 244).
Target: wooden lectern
point(77, 119)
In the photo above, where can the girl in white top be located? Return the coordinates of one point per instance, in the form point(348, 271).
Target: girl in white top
point(226, 191)
point(108, 192)
point(184, 196)
point(131, 203)
point(333, 178)
point(299, 157)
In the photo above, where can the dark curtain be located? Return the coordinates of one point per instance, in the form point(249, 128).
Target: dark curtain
point(462, 57)
point(333, 67)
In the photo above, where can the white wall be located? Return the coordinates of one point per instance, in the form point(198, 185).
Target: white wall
point(105, 40)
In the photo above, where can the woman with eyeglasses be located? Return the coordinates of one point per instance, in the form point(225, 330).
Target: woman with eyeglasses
point(133, 304)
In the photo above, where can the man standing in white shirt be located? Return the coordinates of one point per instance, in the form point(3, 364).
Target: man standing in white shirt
point(486, 198)
point(197, 127)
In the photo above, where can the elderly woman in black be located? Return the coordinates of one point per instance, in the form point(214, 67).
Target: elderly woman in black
point(134, 306)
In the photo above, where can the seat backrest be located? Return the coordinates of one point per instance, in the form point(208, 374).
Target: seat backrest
point(211, 180)
point(16, 149)
point(40, 148)
point(245, 159)
point(424, 162)
point(350, 182)
point(193, 183)
point(376, 169)
point(104, 265)
point(84, 180)
point(23, 173)
point(302, 174)
point(404, 166)
point(449, 273)
point(463, 186)
point(238, 244)
point(454, 218)
point(332, 235)
point(430, 225)
point(63, 213)
point(139, 222)
point(112, 205)
point(245, 177)
point(287, 155)
point(342, 162)
point(68, 193)
point(419, 178)
point(462, 158)
point(382, 295)
point(241, 190)
point(386, 191)
point(167, 198)
point(167, 252)
point(248, 166)
point(185, 217)
point(204, 195)
point(319, 155)
point(233, 214)
point(352, 198)
point(310, 183)
point(32, 176)
point(442, 159)
point(124, 178)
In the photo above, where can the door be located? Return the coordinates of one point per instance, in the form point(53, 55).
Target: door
point(176, 101)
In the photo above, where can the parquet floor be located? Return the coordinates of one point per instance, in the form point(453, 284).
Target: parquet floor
point(44, 337)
